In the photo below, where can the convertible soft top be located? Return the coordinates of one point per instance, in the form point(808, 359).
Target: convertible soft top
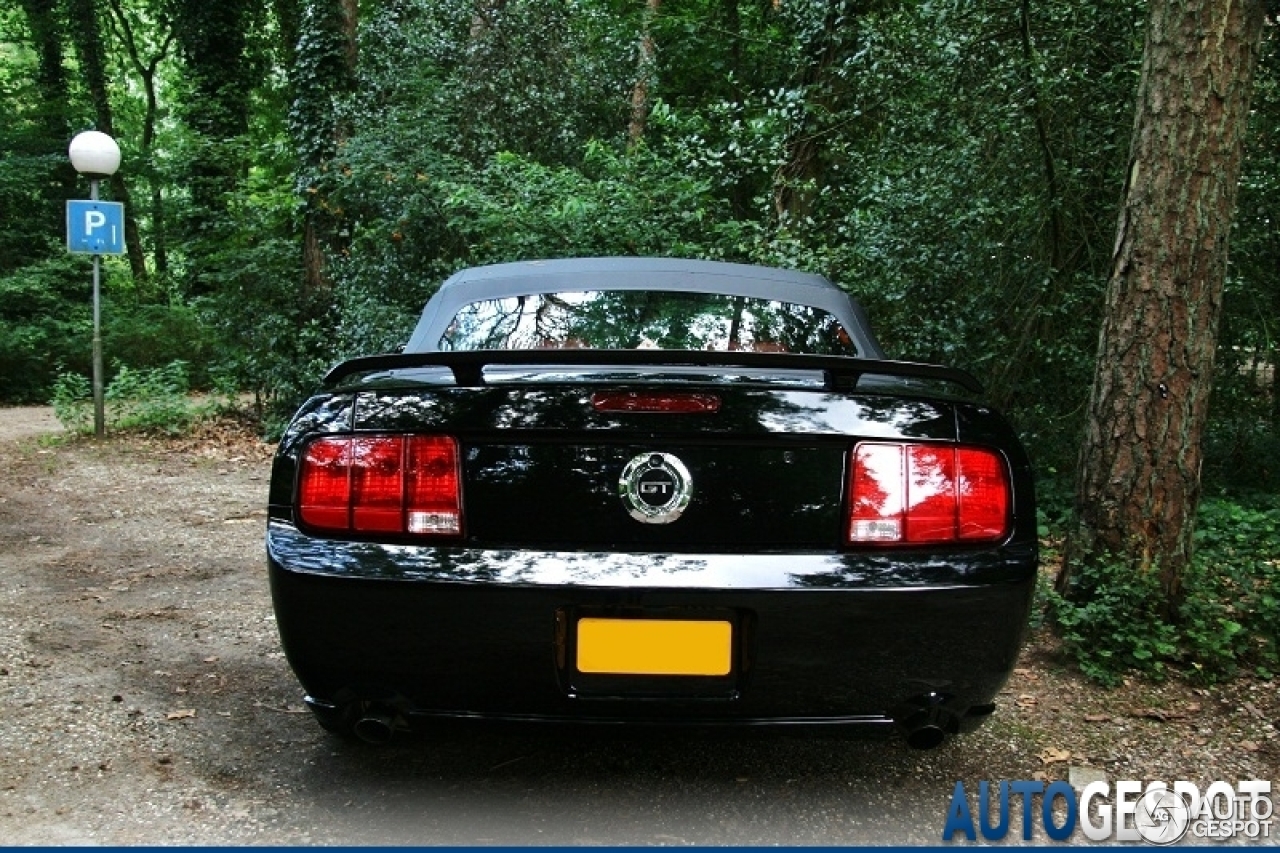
point(669, 274)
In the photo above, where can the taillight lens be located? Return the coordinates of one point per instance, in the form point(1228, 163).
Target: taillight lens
point(927, 493)
point(381, 484)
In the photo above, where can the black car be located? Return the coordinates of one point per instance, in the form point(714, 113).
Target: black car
point(643, 491)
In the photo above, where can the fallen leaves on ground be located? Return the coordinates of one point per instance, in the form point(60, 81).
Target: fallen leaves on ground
point(1053, 755)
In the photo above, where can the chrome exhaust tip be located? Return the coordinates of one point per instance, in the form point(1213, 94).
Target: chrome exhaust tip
point(925, 721)
point(375, 727)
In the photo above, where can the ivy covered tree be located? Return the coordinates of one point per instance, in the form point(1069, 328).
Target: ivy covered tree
point(321, 80)
point(223, 65)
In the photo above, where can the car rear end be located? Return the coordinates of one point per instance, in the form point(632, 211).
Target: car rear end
point(727, 539)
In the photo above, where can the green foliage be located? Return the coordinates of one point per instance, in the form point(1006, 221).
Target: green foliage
point(1229, 617)
point(631, 203)
point(273, 337)
point(28, 203)
point(153, 336)
point(151, 400)
point(534, 77)
point(45, 320)
point(1112, 623)
point(46, 325)
point(73, 402)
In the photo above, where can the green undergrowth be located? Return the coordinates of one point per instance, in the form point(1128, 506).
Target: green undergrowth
point(1227, 623)
point(147, 400)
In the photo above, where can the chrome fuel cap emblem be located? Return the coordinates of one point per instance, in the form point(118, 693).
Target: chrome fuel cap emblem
point(655, 488)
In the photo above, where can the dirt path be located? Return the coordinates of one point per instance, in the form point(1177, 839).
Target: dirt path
point(144, 700)
point(17, 422)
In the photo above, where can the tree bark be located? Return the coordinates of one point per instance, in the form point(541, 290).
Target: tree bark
point(795, 181)
point(325, 66)
point(644, 75)
point(1138, 481)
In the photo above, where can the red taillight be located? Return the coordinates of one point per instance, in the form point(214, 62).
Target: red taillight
point(324, 491)
point(381, 484)
point(377, 484)
point(926, 493)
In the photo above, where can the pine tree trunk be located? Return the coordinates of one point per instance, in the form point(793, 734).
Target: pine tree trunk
point(1138, 483)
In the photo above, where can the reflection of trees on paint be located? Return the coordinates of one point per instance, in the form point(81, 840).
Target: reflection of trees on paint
point(635, 319)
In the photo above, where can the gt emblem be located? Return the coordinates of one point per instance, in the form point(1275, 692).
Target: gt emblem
point(655, 488)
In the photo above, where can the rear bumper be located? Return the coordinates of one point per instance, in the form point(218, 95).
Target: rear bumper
point(818, 639)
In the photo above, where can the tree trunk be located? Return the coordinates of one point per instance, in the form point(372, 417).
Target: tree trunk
point(146, 70)
point(1138, 482)
point(644, 75)
point(351, 33)
point(325, 66)
point(795, 181)
point(51, 76)
point(289, 25)
point(223, 64)
point(1038, 112)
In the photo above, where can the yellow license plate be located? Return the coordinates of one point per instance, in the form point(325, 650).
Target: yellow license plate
point(655, 646)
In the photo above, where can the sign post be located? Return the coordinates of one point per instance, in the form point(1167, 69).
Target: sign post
point(95, 227)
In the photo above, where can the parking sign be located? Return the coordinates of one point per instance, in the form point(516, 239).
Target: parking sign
point(95, 227)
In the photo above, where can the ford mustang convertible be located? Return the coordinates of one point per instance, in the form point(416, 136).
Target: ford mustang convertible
point(649, 491)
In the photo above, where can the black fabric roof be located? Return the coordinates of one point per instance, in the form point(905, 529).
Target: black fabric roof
point(669, 274)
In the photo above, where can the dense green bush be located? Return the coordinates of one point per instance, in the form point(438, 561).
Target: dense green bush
point(46, 326)
point(148, 400)
point(1228, 619)
point(45, 322)
point(154, 336)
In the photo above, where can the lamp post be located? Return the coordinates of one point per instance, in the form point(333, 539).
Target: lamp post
point(96, 156)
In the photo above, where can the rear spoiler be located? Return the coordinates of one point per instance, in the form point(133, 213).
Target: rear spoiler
point(468, 366)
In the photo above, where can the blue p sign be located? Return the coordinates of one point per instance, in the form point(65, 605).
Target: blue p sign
point(95, 227)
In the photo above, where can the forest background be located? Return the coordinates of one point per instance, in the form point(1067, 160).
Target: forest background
point(300, 176)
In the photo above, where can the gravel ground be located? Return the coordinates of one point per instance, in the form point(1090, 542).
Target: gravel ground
point(144, 700)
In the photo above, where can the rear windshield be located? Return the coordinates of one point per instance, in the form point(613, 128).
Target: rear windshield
point(631, 319)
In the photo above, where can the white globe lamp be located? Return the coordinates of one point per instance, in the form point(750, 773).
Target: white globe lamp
point(94, 154)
